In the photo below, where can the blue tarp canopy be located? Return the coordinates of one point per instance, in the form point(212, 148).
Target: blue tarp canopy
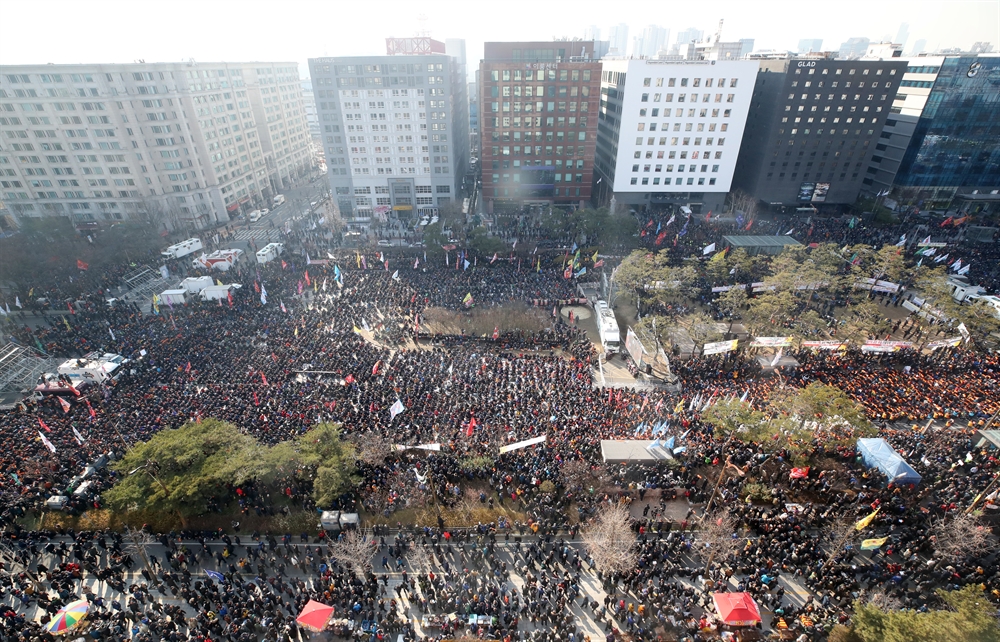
point(877, 453)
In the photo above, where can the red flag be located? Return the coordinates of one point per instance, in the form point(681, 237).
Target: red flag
point(229, 297)
point(650, 224)
point(349, 379)
point(375, 367)
point(274, 358)
point(611, 396)
point(472, 426)
point(256, 287)
point(947, 220)
point(71, 310)
point(708, 217)
point(93, 415)
point(42, 424)
point(599, 264)
point(496, 333)
point(80, 264)
point(263, 378)
point(307, 278)
point(63, 403)
point(255, 402)
point(659, 237)
point(283, 265)
point(187, 368)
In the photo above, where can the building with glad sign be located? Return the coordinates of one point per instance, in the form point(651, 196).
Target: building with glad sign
point(813, 128)
point(669, 132)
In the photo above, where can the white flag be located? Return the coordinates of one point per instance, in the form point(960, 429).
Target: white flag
point(789, 231)
point(395, 409)
point(708, 249)
point(80, 438)
point(732, 271)
point(263, 295)
point(112, 332)
point(942, 258)
point(673, 217)
point(395, 275)
point(744, 397)
point(17, 301)
point(48, 444)
point(777, 358)
point(965, 270)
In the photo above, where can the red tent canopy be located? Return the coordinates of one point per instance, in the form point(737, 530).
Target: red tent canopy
point(315, 615)
point(737, 609)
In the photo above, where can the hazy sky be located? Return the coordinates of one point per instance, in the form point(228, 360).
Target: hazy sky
point(122, 31)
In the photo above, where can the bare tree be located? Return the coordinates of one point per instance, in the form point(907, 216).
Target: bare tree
point(960, 536)
point(714, 538)
point(418, 558)
point(137, 544)
point(353, 550)
point(609, 539)
point(372, 448)
point(837, 535)
point(740, 201)
point(579, 474)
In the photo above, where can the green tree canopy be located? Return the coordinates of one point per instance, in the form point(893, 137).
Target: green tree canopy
point(180, 469)
point(970, 618)
point(325, 454)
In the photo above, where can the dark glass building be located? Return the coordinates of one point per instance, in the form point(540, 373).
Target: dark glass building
point(954, 152)
point(812, 129)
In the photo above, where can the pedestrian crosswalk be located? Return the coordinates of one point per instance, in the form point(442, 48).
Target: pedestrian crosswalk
point(255, 234)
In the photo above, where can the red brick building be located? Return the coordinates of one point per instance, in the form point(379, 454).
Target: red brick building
point(538, 118)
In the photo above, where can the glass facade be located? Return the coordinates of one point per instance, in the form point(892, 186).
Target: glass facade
point(956, 143)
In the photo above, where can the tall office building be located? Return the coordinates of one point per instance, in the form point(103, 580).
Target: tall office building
point(689, 35)
point(669, 132)
point(592, 32)
point(309, 101)
point(652, 40)
point(853, 48)
point(953, 149)
point(813, 129)
point(618, 39)
point(918, 47)
point(902, 35)
point(810, 45)
point(539, 123)
point(176, 144)
point(395, 129)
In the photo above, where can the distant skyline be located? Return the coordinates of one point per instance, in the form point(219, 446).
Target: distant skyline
point(123, 31)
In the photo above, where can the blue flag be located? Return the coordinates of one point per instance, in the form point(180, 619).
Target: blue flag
point(215, 575)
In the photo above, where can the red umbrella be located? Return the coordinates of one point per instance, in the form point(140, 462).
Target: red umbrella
point(315, 615)
point(737, 609)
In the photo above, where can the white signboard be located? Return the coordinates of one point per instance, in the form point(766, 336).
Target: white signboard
point(719, 347)
point(523, 444)
point(634, 347)
point(825, 345)
point(771, 342)
point(877, 286)
point(885, 346)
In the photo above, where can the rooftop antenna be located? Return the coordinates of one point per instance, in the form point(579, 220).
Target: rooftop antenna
point(422, 21)
point(718, 34)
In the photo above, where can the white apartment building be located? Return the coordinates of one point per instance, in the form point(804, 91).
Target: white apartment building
point(175, 144)
point(395, 131)
point(669, 132)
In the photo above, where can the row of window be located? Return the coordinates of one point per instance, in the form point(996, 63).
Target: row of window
point(670, 168)
point(684, 141)
point(677, 127)
point(669, 98)
point(564, 75)
point(695, 82)
point(536, 121)
point(506, 150)
point(666, 181)
point(672, 155)
point(539, 91)
point(559, 178)
point(538, 106)
point(679, 113)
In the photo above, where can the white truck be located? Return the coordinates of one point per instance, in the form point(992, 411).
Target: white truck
point(255, 216)
point(182, 249)
point(174, 297)
point(216, 292)
point(194, 285)
point(93, 367)
point(220, 260)
point(270, 252)
point(611, 336)
point(279, 199)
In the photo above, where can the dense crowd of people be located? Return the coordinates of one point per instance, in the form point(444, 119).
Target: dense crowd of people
point(357, 325)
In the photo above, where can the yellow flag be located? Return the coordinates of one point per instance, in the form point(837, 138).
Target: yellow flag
point(865, 521)
point(872, 544)
point(594, 258)
point(680, 406)
point(357, 330)
point(218, 282)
